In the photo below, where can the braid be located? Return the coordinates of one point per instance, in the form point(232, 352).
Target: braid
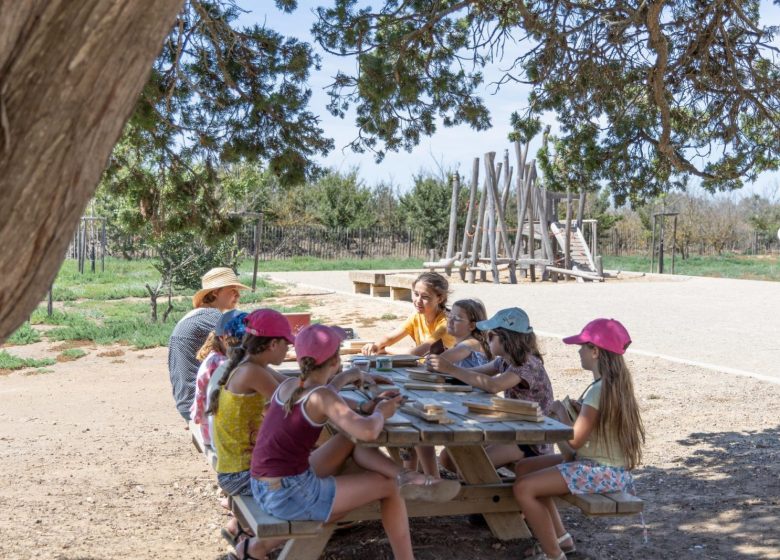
point(237, 354)
point(483, 342)
point(308, 365)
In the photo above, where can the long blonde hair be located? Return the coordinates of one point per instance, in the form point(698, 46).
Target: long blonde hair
point(619, 409)
point(475, 312)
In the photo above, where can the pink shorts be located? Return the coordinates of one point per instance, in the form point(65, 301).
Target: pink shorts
point(588, 477)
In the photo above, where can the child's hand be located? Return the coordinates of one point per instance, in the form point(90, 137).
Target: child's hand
point(434, 362)
point(381, 379)
point(369, 349)
point(388, 406)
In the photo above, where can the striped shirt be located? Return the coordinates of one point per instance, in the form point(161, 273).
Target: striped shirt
point(187, 337)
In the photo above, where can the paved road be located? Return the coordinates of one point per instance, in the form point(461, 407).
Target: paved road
point(726, 325)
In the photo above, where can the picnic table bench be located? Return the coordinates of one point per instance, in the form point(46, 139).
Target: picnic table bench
point(484, 490)
point(396, 285)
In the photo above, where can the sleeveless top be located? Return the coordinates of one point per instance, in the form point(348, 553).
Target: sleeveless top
point(475, 359)
point(285, 442)
point(236, 423)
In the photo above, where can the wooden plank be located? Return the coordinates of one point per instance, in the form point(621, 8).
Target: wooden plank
point(380, 291)
point(428, 417)
point(475, 467)
point(368, 277)
point(401, 281)
point(440, 387)
point(250, 515)
point(307, 548)
point(361, 288)
point(592, 504)
point(626, 503)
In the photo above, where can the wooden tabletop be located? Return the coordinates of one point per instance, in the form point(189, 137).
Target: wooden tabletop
point(467, 428)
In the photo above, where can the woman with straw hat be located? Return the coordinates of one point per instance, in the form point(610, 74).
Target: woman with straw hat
point(220, 293)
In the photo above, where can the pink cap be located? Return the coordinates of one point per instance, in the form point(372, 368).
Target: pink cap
point(607, 334)
point(268, 323)
point(318, 342)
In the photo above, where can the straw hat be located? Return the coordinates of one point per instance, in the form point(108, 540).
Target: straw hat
point(215, 279)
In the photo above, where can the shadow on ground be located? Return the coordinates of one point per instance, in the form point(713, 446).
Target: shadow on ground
point(723, 501)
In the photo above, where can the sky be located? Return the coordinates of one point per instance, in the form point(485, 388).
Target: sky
point(449, 149)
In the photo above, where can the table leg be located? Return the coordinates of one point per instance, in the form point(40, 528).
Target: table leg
point(475, 467)
point(307, 548)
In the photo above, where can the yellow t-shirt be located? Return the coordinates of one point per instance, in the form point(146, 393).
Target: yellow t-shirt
point(418, 328)
point(236, 424)
point(596, 448)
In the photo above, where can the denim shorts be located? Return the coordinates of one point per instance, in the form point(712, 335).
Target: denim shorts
point(301, 497)
point(235, 484)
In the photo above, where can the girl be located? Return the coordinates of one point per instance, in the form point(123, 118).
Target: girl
point(228, 333)
point(428, 328)
point(471, 346)
point(243, 387)
point(428, 324)
point(518, 370)
point(292, 481)
point(607, 442)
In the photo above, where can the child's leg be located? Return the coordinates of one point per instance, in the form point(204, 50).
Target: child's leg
point(409, 456)
point(532, 464)
point(503, 454)
point(257, 548)
point(355, 490)
point(328, 458)
point(427, 457)
point(446, 461)
point(530, 491)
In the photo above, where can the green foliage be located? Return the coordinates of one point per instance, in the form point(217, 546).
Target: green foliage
point(73, 353)
point(24, 335)
point(721, 266)
point(11, 362)
point(340, 200)
point(311, 263)
point(427, 208)
point(676, 89)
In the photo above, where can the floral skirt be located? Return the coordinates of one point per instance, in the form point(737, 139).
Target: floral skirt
point(588, 477)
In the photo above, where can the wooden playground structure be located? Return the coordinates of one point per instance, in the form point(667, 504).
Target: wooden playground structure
point(541, 243)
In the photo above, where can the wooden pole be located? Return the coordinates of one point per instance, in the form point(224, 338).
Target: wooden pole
point(50, 303)
point(453, 218)
point(521, 156)
point(492, 205)
point(478, 233)
point(502, 226)
point(103, 246)
point(652, 248)
point(529, 202)
point(469, 216)
point(258, 240)
point(674, 241)
point(580, 209)
point(567, 242)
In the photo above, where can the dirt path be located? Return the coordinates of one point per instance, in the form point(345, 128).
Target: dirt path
point(97, 463)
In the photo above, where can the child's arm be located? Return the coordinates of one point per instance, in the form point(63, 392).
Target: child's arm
point(583, 428)
point(255, 378)
point(458, 352)
point(483, 377)
point(322, 405)
point(384, 342)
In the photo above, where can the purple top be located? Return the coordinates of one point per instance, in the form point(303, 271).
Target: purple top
point(284, 442)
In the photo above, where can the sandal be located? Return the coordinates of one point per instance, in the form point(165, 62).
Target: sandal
point(567, 549)
point(231, 538)
point(539, 554)
point(430, 490)
point(244, 552)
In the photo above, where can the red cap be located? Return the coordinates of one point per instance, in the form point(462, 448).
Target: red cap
point(269, 323)
point(319, 342)
point(607, 334)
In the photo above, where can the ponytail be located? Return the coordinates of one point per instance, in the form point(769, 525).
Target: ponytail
point(212, 344)
point(237, 354)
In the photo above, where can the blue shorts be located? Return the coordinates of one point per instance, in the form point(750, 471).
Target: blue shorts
point(235, 484)
point(301, 497)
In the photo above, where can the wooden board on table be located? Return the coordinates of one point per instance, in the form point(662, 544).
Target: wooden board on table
point(399, 360)
point(490, 409)
point(441, 418)
point(515, 405)
point(428, 377)
point(438, 387)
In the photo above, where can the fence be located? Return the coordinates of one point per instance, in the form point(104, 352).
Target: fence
point(284, 242)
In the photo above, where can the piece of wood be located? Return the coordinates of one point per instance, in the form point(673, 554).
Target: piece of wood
point(438, 387)
point(307, 548)
point(612, 503)
point(439, 418)
point(429, 378)
point(520, 412)
point(399, 360)
point(475, 467)
point(430, 406)
point(515, 405)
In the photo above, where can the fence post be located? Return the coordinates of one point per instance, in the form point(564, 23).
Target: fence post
point(103, 247)
point(258, 238)
point(409, 250)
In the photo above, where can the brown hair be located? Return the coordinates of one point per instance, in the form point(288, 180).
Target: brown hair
point(209, 298)
point(250, 344)
point(518, 345)
point(213, 344)
point(437, 283)
point(308, 365)
point(475, 312)
point(619, 409)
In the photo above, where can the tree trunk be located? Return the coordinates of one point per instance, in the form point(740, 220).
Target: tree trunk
point(70, 75)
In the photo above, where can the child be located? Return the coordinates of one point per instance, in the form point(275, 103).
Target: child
point(228, 332)
point(428, 324)
point(608, 439)
point(292, 481)
point(243, 387)
point(518, 370)
point(471, 346)
point(428, 328)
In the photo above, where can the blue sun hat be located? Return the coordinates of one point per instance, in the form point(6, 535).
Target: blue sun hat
point(511, 319)
point(231, 324)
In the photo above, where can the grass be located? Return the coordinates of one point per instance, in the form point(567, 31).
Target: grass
point(10, 362)
point(24, 335)
point(311, 263)
point(723, 266)
point(71, 354)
